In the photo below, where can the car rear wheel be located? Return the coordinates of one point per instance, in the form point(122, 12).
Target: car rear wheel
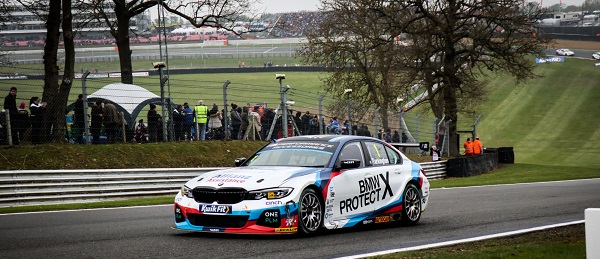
point(310, 212)
point(411, 205)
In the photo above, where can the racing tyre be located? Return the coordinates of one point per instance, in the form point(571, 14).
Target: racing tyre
point(411, 205)
point(310, 212)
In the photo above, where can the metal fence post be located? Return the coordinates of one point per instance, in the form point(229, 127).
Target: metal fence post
point(8, 128)
point(123, 133)
point(86, 122)
point(417, 127)
point(321, 120)
point(376, 119)
point(225, 117)
point(475, 126)
point(162, 100)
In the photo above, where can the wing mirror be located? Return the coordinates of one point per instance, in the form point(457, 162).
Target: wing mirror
point(240, 161)
point(349, 164)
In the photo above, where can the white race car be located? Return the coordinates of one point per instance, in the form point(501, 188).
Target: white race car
point(565, 52)
point(596, 55)
point(305, 184)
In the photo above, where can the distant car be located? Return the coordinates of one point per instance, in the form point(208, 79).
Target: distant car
point(596, 55)
point(565, 52)
point(305, 184)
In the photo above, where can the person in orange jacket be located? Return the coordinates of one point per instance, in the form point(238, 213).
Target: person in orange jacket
point(468, 147)
point(477, 147)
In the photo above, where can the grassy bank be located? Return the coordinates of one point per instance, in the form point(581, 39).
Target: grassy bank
point(564, 242)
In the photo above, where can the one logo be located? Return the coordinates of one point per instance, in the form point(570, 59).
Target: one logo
point(220, 184)
point(367, 221)
point(211, 208)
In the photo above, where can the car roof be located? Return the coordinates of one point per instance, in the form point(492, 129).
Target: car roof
point(327, 138)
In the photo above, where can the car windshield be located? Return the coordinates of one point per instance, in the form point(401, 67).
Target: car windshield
point(307, 154)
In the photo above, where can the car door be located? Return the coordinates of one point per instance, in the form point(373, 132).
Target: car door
point(344, 191)
point(383, 178)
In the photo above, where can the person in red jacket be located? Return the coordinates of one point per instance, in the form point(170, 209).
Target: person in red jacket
point(477, 147)
point(468, 147)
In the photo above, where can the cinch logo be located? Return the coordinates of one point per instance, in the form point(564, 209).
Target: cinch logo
point(273, 203)
point(210, 208)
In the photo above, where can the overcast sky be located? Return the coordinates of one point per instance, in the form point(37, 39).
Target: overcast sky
point(281, 6)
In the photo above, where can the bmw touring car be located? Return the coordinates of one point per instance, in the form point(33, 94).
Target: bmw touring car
point(305, 184)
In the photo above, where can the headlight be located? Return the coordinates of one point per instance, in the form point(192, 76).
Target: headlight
point(187, 192)
point(270, 194)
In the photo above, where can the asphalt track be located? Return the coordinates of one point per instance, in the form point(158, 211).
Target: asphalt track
point(195, 50)
point(145, 232)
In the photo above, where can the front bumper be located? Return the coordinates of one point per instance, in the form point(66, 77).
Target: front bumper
point(246, 217)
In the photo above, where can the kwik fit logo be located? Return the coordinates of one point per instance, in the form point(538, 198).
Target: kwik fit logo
point(211, 208)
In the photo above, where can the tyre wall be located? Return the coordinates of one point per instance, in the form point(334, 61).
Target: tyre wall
point(472, 165)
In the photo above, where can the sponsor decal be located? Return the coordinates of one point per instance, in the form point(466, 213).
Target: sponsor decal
point(380, 161)
point(382, 219)
point(286, 230)
point(212, 208)
point(133, 74)
point(179, 215)
point(290, 219)
point(302, 145)
point(178, 199)
point(13, 77)
point(229, 178)
point(214, 230)
point(549, 60)
point(371, 190)
point(331, 191)
point(367, 221)
point(269, 218)
point(270, 203)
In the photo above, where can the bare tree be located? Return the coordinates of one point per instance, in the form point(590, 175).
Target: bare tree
point(353, 43)
point(216, 13)
point(454, 43)
point(55, 13)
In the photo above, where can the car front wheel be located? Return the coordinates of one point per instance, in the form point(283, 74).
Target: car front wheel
point(310, 212)
point(411, 205)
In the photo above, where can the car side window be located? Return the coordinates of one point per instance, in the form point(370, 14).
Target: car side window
point(376, 154)
point(352, 150)
point(394, 157)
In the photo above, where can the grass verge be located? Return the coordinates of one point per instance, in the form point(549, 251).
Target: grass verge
point(562, 242)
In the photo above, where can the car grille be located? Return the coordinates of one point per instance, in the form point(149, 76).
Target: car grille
point(223, 221)
point(221, 196)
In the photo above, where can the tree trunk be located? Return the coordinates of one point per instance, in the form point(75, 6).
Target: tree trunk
point(62, 96)
point(385, 122)
point(124, 48)
point(54, 113)
point(450, 112)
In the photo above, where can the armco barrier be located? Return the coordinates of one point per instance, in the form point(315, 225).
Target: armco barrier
point(41, 187)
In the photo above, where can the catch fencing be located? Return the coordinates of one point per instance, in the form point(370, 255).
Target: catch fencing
point(43, 187)
point(419, 126)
